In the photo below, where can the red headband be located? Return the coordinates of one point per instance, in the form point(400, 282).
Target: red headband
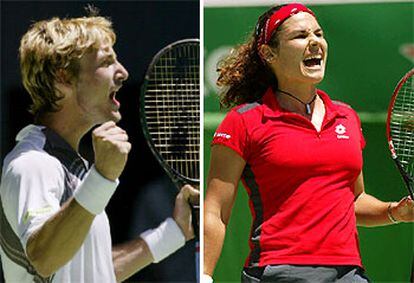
point(277, 19)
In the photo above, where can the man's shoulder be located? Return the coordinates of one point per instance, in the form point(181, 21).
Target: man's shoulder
point(29, 158)
point(31, 165)
point(29, 155)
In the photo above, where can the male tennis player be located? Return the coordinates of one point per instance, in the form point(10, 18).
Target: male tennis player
point(52, 218)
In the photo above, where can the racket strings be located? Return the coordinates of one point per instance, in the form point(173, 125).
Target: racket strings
point(172, 108)
point(402, 124)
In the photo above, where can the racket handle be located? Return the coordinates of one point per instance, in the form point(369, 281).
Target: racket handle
point(195, 208)
point(197, 260)
point(195, 211)
point(407, 179)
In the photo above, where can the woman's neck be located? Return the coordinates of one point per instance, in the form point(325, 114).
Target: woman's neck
point(296, 98)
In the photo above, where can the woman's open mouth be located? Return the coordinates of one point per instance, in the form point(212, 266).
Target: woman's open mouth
point(313, 61)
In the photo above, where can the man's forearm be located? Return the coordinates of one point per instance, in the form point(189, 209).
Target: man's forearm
point(59, 238)
point(153, 246)
point(130, 257)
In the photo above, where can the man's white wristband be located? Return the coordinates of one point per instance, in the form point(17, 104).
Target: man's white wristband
point(206, 279)
point(95, 192)
point(164, 240)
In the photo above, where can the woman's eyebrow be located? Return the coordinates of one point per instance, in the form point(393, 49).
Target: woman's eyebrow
point(300, 31)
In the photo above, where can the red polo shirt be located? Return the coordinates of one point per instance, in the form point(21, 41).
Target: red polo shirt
point(300, 181)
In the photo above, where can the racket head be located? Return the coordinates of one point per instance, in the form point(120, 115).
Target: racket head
point(400, 127)
point(170, 110)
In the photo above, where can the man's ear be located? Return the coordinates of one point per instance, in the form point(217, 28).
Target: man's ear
point(62, 82)
point(62, 76)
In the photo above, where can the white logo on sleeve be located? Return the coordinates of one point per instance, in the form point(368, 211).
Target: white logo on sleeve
point(222, 135)
point(341, 130)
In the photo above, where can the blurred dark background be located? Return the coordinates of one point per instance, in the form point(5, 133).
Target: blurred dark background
point(145, 196)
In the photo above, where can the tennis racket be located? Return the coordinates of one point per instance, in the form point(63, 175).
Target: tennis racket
point(400, 129)
point(170, 113)
point(400, 133)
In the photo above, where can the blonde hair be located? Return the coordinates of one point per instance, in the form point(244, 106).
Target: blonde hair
point(51, 49)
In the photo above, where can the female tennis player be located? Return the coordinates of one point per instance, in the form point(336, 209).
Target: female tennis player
point(299, 156)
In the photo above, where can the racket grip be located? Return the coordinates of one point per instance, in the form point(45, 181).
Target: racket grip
point(195, 211)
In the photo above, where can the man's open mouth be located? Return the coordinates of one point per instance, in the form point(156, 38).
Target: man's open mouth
point(113, 99)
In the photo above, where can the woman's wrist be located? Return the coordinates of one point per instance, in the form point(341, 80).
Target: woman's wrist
point(391, 216)
point(205, 278)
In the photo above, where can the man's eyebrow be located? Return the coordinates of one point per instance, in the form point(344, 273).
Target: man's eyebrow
point(108, 55)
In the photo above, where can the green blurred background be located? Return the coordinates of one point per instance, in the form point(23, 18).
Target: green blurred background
point(371, 46)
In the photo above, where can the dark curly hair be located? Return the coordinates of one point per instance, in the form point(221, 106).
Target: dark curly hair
point(243, 76)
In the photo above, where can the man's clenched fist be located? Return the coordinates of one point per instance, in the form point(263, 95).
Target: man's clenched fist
point(111, 147)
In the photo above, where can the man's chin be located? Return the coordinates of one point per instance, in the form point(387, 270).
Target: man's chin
point(113, 116)
point(116, 117)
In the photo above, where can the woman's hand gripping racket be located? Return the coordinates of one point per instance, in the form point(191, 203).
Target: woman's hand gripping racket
point(400, 133)
point(170, 113)
point(400, 129)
